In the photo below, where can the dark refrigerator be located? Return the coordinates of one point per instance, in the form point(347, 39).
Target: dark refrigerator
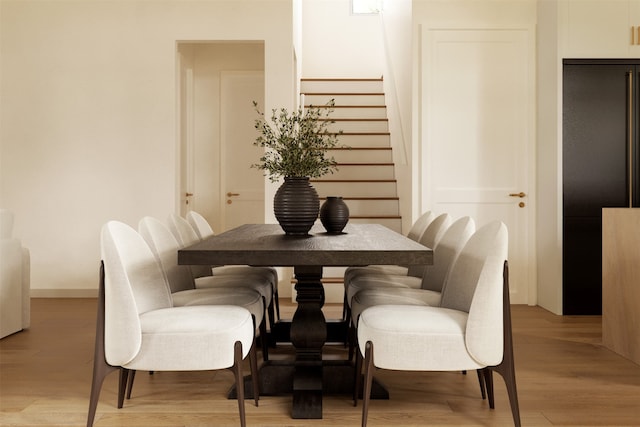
point(599, 163)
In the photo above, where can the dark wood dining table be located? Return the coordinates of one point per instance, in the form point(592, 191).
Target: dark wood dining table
point(308, 376)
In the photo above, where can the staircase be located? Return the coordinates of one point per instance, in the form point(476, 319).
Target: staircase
point(366, 175)
point(365, 178)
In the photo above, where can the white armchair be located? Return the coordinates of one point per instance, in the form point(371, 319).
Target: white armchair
point(15, 299)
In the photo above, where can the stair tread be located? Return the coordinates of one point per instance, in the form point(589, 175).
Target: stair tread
point(365, 198)
point(355, 120)
point(361, 148)
point(375, 216)
point(352, 180)
point(344, 93)
point(367, 164)
point(346, 106)
point(341, 79)
point(359, 133)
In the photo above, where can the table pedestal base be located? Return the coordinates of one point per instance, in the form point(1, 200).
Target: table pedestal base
point(276, 378)
point(308, 377)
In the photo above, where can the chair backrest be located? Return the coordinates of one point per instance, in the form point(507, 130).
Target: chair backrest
point(421, 224)
point(182, 230)
point(186, 235)
point(446, 251)
point(474, 285)
point(487, 241)
point(429, 238)
point(6, 223)
point(165, 247)
point(134, 284)
point(200, 225)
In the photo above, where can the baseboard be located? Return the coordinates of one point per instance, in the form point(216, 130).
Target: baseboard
point(64, 293)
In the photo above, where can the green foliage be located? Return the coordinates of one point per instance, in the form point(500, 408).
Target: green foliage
point(296, 144)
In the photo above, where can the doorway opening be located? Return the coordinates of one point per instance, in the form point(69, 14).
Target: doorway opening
point(218, 80)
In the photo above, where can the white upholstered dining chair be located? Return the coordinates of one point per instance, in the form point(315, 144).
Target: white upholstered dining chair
point(203, 229)
point(187, 235)
point(413, 277)
point(138, 328)
point(415, 233)
point(223, 290)
point(468, 330)
point(200, 224)
point(394, 290)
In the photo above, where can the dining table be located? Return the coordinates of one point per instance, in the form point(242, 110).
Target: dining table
point(307, 376)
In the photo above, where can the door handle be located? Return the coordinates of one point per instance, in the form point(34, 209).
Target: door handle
point(188, 194)
point(230, 194)
point(520, 194)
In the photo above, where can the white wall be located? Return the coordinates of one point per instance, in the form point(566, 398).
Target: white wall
point(397, 40)
point(88, 115)
point(549, 213)
point(338, 44)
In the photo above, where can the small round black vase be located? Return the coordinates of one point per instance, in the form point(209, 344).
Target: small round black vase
point(296, 205)
point(334, 214)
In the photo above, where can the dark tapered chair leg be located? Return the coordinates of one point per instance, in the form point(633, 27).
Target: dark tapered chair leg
point(357, 378)
point(507, 368)
point(122, 386)
point(253, 362)
point(100, 366)
point(276, 297)
point(264, 340)
point(100, 370)
point(271, 312)
point(132, 377)
point(237, 372)
point(368, 379)
point(481, 382)
point(351, 338)
point(345, 308)
point(508, 374)
point(488, 383)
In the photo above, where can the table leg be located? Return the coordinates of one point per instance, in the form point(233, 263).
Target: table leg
point(308, 334)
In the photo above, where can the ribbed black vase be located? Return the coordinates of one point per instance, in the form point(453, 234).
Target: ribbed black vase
point(334, 214)
point(296, 205)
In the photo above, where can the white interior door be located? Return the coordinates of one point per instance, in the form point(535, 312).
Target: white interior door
point(478, 136)
point(242, 187)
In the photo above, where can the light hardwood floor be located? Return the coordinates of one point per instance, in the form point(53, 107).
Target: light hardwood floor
point(564, 374)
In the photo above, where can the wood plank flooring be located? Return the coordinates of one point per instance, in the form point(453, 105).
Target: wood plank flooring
point(565, 378)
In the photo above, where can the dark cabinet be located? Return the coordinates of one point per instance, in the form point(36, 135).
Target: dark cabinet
point(599, 162)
